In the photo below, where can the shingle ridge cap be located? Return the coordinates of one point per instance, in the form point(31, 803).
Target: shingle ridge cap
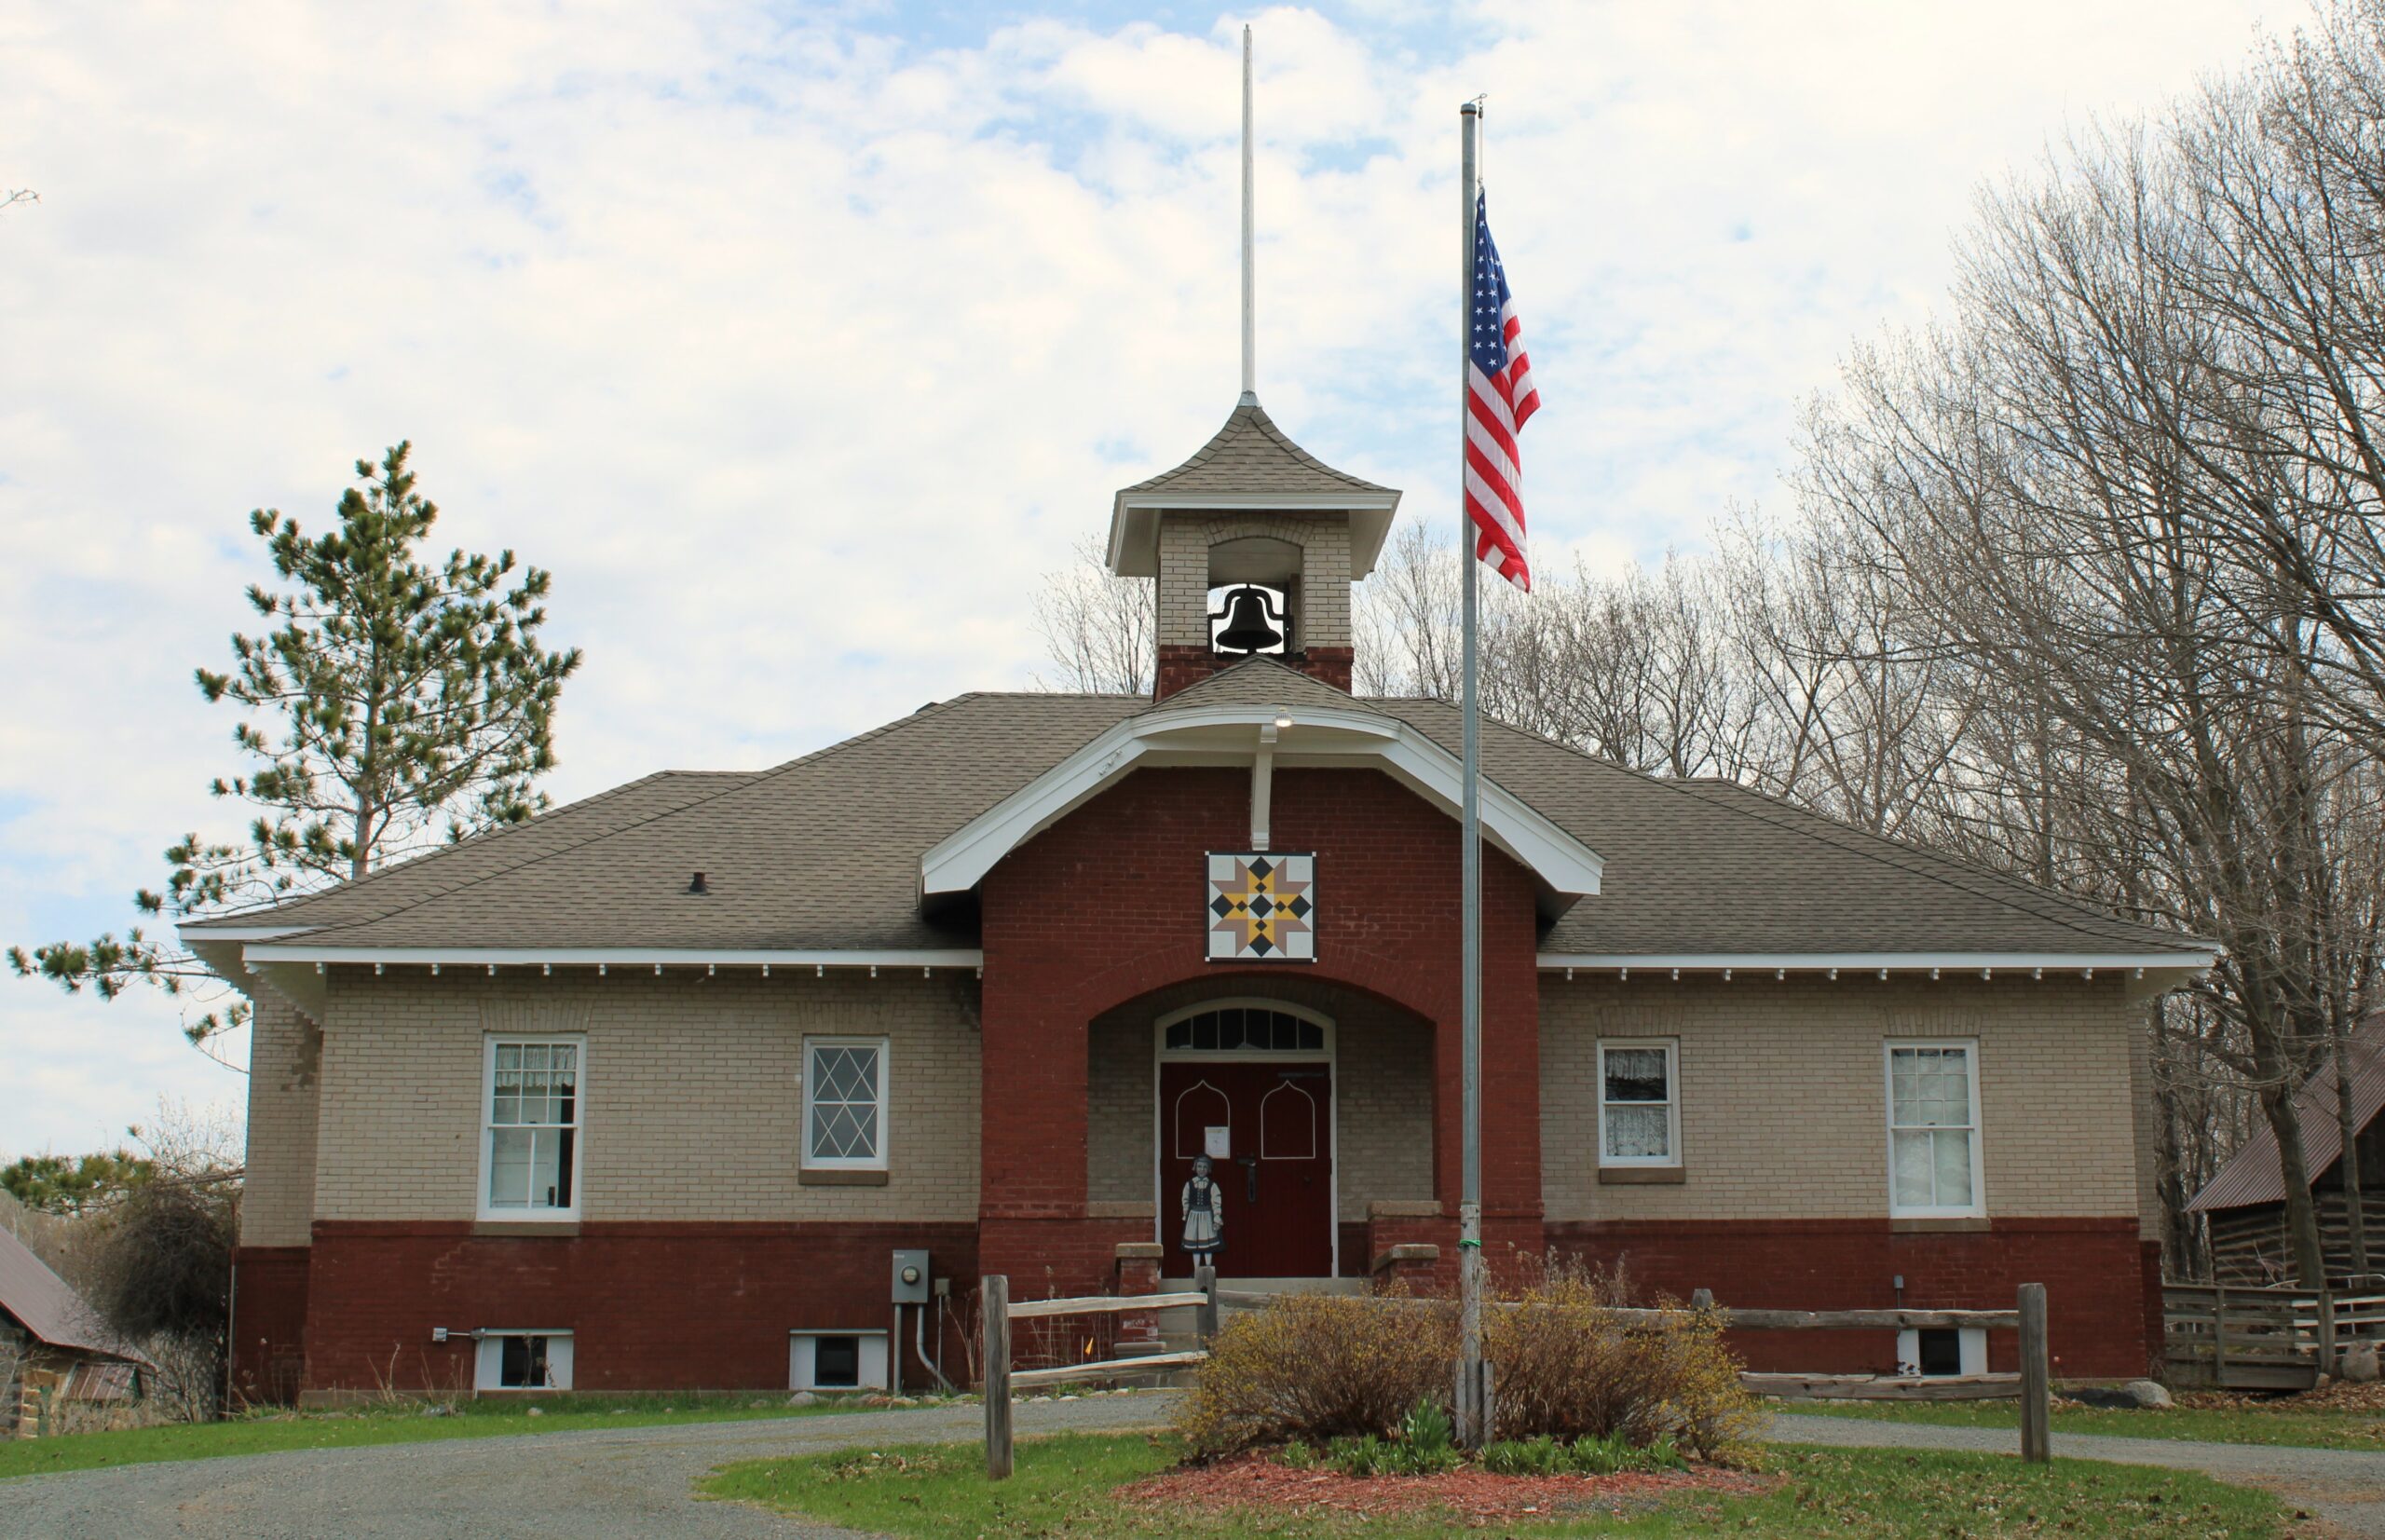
point(1932, 864)
point(1255, 417)
point(938, 708)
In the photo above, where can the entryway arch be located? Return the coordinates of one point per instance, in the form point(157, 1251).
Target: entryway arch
point(1248, 1082)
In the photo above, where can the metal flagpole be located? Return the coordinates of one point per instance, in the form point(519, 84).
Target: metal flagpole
point(1473, 1389)
point(1250, 265)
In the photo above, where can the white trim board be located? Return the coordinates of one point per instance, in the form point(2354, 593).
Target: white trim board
point(1133, 546)
point(503, 957)
point(1318, 736)
point(1807, 962)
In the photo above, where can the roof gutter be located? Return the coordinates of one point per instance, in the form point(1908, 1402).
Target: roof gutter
point(2135, 966)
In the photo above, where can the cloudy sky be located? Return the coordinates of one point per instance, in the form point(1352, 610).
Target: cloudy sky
point(800, 341)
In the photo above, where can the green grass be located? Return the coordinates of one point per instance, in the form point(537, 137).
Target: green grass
point(268, 1432)
point(1064, 1486)
point(2299, 1429)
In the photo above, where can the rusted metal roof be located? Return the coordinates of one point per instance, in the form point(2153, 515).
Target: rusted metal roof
point(45, 1305)
point(2254, 1175)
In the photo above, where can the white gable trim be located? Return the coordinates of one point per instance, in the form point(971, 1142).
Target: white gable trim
point(2184, 961)
point(1134, 521)
point(1226, 735)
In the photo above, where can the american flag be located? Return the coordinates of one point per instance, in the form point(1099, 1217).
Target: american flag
point(1499, 401)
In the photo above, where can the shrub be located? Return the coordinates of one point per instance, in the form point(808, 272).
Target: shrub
point(1566, 1365)
point(1318, 1367)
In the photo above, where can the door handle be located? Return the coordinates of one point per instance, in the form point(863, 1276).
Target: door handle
point(1250, 1164)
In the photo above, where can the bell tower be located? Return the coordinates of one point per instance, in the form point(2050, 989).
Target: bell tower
point(1254, 542)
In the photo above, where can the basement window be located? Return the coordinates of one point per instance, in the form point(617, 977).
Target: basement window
point(523, 1361)
point(836, 1361)
point(1942, 1352)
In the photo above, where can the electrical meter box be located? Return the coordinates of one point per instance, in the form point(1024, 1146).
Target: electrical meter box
point(910, 1277)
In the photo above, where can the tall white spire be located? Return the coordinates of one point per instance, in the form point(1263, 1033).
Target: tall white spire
point(1250, 268)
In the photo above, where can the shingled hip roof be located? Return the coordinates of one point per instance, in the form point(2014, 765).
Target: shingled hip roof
point(2254, 1175)
point(823, 856)
point(1252, 464)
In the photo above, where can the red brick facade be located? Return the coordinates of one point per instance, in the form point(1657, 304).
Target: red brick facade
point(650, 1306)
point(1182, 667)
point(1097, 912)
point(270, 1323)
point(1094, 913)
point(2096, 1287)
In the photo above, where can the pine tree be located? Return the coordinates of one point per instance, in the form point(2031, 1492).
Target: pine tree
point(392, 703)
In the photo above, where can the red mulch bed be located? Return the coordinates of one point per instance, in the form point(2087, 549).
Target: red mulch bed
point(1256, 1480)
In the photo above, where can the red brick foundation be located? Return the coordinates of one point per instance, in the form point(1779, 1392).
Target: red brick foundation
point(696, 1306)
point(2093, 1270)
point(1182, 667)
point(270, 1323)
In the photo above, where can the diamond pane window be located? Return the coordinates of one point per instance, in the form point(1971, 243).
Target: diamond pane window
point(1933, 1130)
point(844, 1103)
point(1638, 1112)
point(1245, 1029)
point(530, 1139)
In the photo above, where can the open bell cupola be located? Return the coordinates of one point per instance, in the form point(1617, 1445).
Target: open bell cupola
point(1251, 511)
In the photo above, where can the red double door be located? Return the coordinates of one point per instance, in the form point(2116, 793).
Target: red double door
point(1273, 1123)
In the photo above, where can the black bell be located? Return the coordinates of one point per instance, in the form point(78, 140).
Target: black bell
point(1246, 615)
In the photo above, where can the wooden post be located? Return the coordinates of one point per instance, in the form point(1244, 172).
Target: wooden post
point(1205, 1278)
point(994, 1298)
point(2219, 1335)
point(2327, 1364)
point(2036, 1377)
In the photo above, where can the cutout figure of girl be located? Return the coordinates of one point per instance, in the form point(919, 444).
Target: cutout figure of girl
point(1204, 1220)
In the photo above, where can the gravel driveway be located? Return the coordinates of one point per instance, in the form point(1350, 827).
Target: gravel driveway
point(598, 1485)
point(636, 1482)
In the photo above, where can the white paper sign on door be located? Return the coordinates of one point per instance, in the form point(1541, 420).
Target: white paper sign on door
point(1217, 1141)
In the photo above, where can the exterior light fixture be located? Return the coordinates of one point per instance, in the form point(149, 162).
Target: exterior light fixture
point(1283, 720)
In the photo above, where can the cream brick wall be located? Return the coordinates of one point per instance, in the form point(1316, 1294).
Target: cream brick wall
point(693, 1092)
point(285, 1052)
point(1384, 1085)
point(2146, 1121)
point(1321, 605)
point(1783, 1092)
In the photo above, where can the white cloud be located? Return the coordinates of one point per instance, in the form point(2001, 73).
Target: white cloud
point(800, 351)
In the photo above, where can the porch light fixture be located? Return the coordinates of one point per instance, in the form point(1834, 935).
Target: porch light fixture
point(1283, 718)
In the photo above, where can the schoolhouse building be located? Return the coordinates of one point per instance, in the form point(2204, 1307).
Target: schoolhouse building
point(693, 1082)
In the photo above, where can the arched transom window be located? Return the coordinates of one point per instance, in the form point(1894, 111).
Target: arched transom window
point(1246, 1028)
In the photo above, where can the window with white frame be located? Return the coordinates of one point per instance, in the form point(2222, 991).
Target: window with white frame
point(1933, 1130)
point(1639, 1103)
point(523, 1361)
point(530, 1139)
point(844, 1103)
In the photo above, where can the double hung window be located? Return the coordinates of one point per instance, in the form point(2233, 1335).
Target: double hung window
point(530, 1138)
point(1639, 1103)
point(844, 1103)
point(1933, 1130)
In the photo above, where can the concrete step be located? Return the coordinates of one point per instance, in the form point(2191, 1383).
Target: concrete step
point(1177, 1328)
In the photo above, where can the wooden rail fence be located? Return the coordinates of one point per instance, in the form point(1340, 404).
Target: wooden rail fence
point(2236, 1338)
point(2032, 1385)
